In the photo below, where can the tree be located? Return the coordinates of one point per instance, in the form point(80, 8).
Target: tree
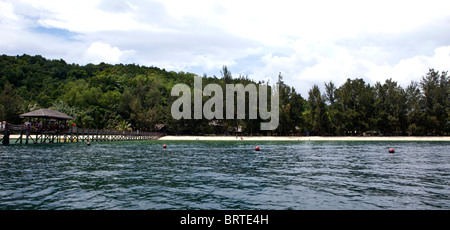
point(103, 95)
point(436, 88)
point(319, 118)
point(330, 90)
point(335, 116)
point(226, 75)
point(291, 107)
point(390, 108)
point(297, 107)
point(355, 101)
point(124, 126)
point(10, 104)
point(414, 109)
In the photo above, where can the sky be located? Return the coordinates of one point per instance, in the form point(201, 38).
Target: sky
point(308, 42)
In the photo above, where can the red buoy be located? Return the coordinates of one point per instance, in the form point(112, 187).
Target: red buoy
point(257, 148)
point(164, 146)
point(391, 150)
point(89, 144)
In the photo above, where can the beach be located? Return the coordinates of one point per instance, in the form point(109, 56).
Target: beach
point(306, 138)
point(296, 138)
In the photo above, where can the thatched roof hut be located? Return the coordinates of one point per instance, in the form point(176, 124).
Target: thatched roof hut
point(46, 113)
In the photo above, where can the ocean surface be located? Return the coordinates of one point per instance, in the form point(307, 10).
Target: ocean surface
point(224, 175)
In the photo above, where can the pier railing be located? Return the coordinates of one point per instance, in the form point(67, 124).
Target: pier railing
point(74, 134)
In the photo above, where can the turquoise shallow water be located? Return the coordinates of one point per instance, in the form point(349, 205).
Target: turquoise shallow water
point(225, 175)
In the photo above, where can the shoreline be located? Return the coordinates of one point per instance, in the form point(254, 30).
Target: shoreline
point(303, 138)
point(295, 138)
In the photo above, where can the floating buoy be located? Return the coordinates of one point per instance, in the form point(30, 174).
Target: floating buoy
point(89, 144)
point(164, 146)
point(257, 148)
point(391, 150)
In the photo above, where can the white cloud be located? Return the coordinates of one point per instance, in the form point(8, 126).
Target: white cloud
point(318, 64)
point(87, 16)
point(409, 69)
point(101, 52)
point(7, 13)
point(309, 42)
point(274, 21)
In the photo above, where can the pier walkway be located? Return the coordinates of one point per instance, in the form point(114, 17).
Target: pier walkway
point(33, 136)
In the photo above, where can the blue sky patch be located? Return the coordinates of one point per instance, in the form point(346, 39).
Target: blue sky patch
point(61, 33)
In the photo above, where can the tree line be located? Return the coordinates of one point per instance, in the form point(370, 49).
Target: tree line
point(133, 97)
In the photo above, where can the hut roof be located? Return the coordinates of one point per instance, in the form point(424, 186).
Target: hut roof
point(47, 113)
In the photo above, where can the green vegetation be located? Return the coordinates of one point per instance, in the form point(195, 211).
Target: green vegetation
point(136, 97)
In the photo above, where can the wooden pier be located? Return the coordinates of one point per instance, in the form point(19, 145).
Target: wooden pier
point(52, 127)
point(31, 136)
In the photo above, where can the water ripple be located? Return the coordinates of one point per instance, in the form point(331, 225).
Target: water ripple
point(226, 175)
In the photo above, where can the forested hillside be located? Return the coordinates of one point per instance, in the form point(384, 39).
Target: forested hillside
point(138, 97)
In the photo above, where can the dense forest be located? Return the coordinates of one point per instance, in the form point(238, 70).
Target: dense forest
point(133, 97)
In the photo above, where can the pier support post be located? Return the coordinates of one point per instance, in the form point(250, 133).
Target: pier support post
point(5, 140)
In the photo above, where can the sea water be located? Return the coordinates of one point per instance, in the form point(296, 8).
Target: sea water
point(224, 175)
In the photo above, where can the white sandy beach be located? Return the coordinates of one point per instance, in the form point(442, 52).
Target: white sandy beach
point(303, 138)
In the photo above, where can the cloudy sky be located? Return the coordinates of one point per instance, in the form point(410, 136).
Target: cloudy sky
point(309, 42)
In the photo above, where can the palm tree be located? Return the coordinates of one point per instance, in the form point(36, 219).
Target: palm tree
point(124, 126)
point(29, 106)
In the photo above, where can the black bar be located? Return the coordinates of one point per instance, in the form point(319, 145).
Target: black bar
point(230, 219)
